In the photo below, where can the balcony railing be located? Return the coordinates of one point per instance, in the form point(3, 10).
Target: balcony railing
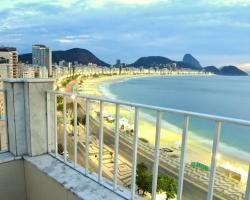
point(84, 102)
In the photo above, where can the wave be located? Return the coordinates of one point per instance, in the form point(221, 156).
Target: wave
point(165, 124)
point(224, 148)
point(105, 90)
point(104, 87)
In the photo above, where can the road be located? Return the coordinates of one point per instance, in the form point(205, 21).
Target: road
point(190, 191)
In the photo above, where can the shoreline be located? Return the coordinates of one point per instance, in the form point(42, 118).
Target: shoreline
point(196, 150)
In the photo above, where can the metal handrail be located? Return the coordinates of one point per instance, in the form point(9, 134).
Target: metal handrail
point(187, 114)
point(230, 120)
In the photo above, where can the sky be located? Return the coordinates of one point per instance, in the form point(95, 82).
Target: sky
point(216, 32)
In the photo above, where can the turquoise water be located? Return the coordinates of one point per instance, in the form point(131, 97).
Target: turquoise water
point(218, 95)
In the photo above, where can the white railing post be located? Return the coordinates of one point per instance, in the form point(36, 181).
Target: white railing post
point(213, 160)
point(64, 129)
point(247, 193)
point(100, 142)
point(183, 156)
point(117, 126)
point(75, 130)
point(156, 154)
point(87, 137)
point(134, 161)
point(55, 124)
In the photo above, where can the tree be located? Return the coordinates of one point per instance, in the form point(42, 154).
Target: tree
point(81, 120)
point(165, 183)
point(60, 149)
point(168, 185)
point(111, 154)
point(59, 103)
point(143, 178)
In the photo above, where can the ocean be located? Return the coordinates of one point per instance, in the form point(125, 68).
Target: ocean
point(218, 95)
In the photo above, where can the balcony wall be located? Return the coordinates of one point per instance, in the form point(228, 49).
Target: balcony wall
point(46, 178)
point(12, 179)
point(20, 180)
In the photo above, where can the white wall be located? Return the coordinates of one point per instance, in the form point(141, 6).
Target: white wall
point(12, 181)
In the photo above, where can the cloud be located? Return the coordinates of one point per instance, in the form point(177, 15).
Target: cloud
point(74, 39)
point(228, 2)
point(103, 3)
point(244, 66)
point(127, 29)
point(7, 4)
point(84, 4)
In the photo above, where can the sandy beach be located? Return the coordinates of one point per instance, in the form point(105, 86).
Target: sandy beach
point(196, 150)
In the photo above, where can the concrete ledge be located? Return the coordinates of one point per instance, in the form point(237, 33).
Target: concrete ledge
point(72, 181)
point(7, 157)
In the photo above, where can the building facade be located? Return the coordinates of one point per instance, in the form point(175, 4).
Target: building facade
point(42, 56)
point(4, 68)
point(10, 54)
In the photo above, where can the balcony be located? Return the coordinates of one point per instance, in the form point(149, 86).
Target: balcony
point(64, 146)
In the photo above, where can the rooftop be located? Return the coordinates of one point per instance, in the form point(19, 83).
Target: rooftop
point(7, 49)
point(39, 45)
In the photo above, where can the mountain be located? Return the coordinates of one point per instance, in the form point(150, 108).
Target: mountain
point(188, 62)
point(226, 71)
point(159, 61)
point(25, 58)
point(232, 71)
point(212, 69)
point(188, 58)
point(82, 56)
point(151, 61)
point(181, 64)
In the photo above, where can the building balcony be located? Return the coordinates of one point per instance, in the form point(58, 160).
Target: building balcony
point(65, 146)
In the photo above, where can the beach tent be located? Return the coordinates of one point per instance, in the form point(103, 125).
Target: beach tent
point(105, 114)
point(178, 144)
point(200, 166)
point(123, 121)
point(237, 173)
point(110, 119)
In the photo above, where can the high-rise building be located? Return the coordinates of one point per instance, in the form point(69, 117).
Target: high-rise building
point(4, 68)
point(118, 62)
point(43, 72)
point(28, 72)
point(10, 54)
point(42, 56)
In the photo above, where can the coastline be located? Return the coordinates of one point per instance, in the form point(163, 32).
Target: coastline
point(196, 150)
point(91, 86)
